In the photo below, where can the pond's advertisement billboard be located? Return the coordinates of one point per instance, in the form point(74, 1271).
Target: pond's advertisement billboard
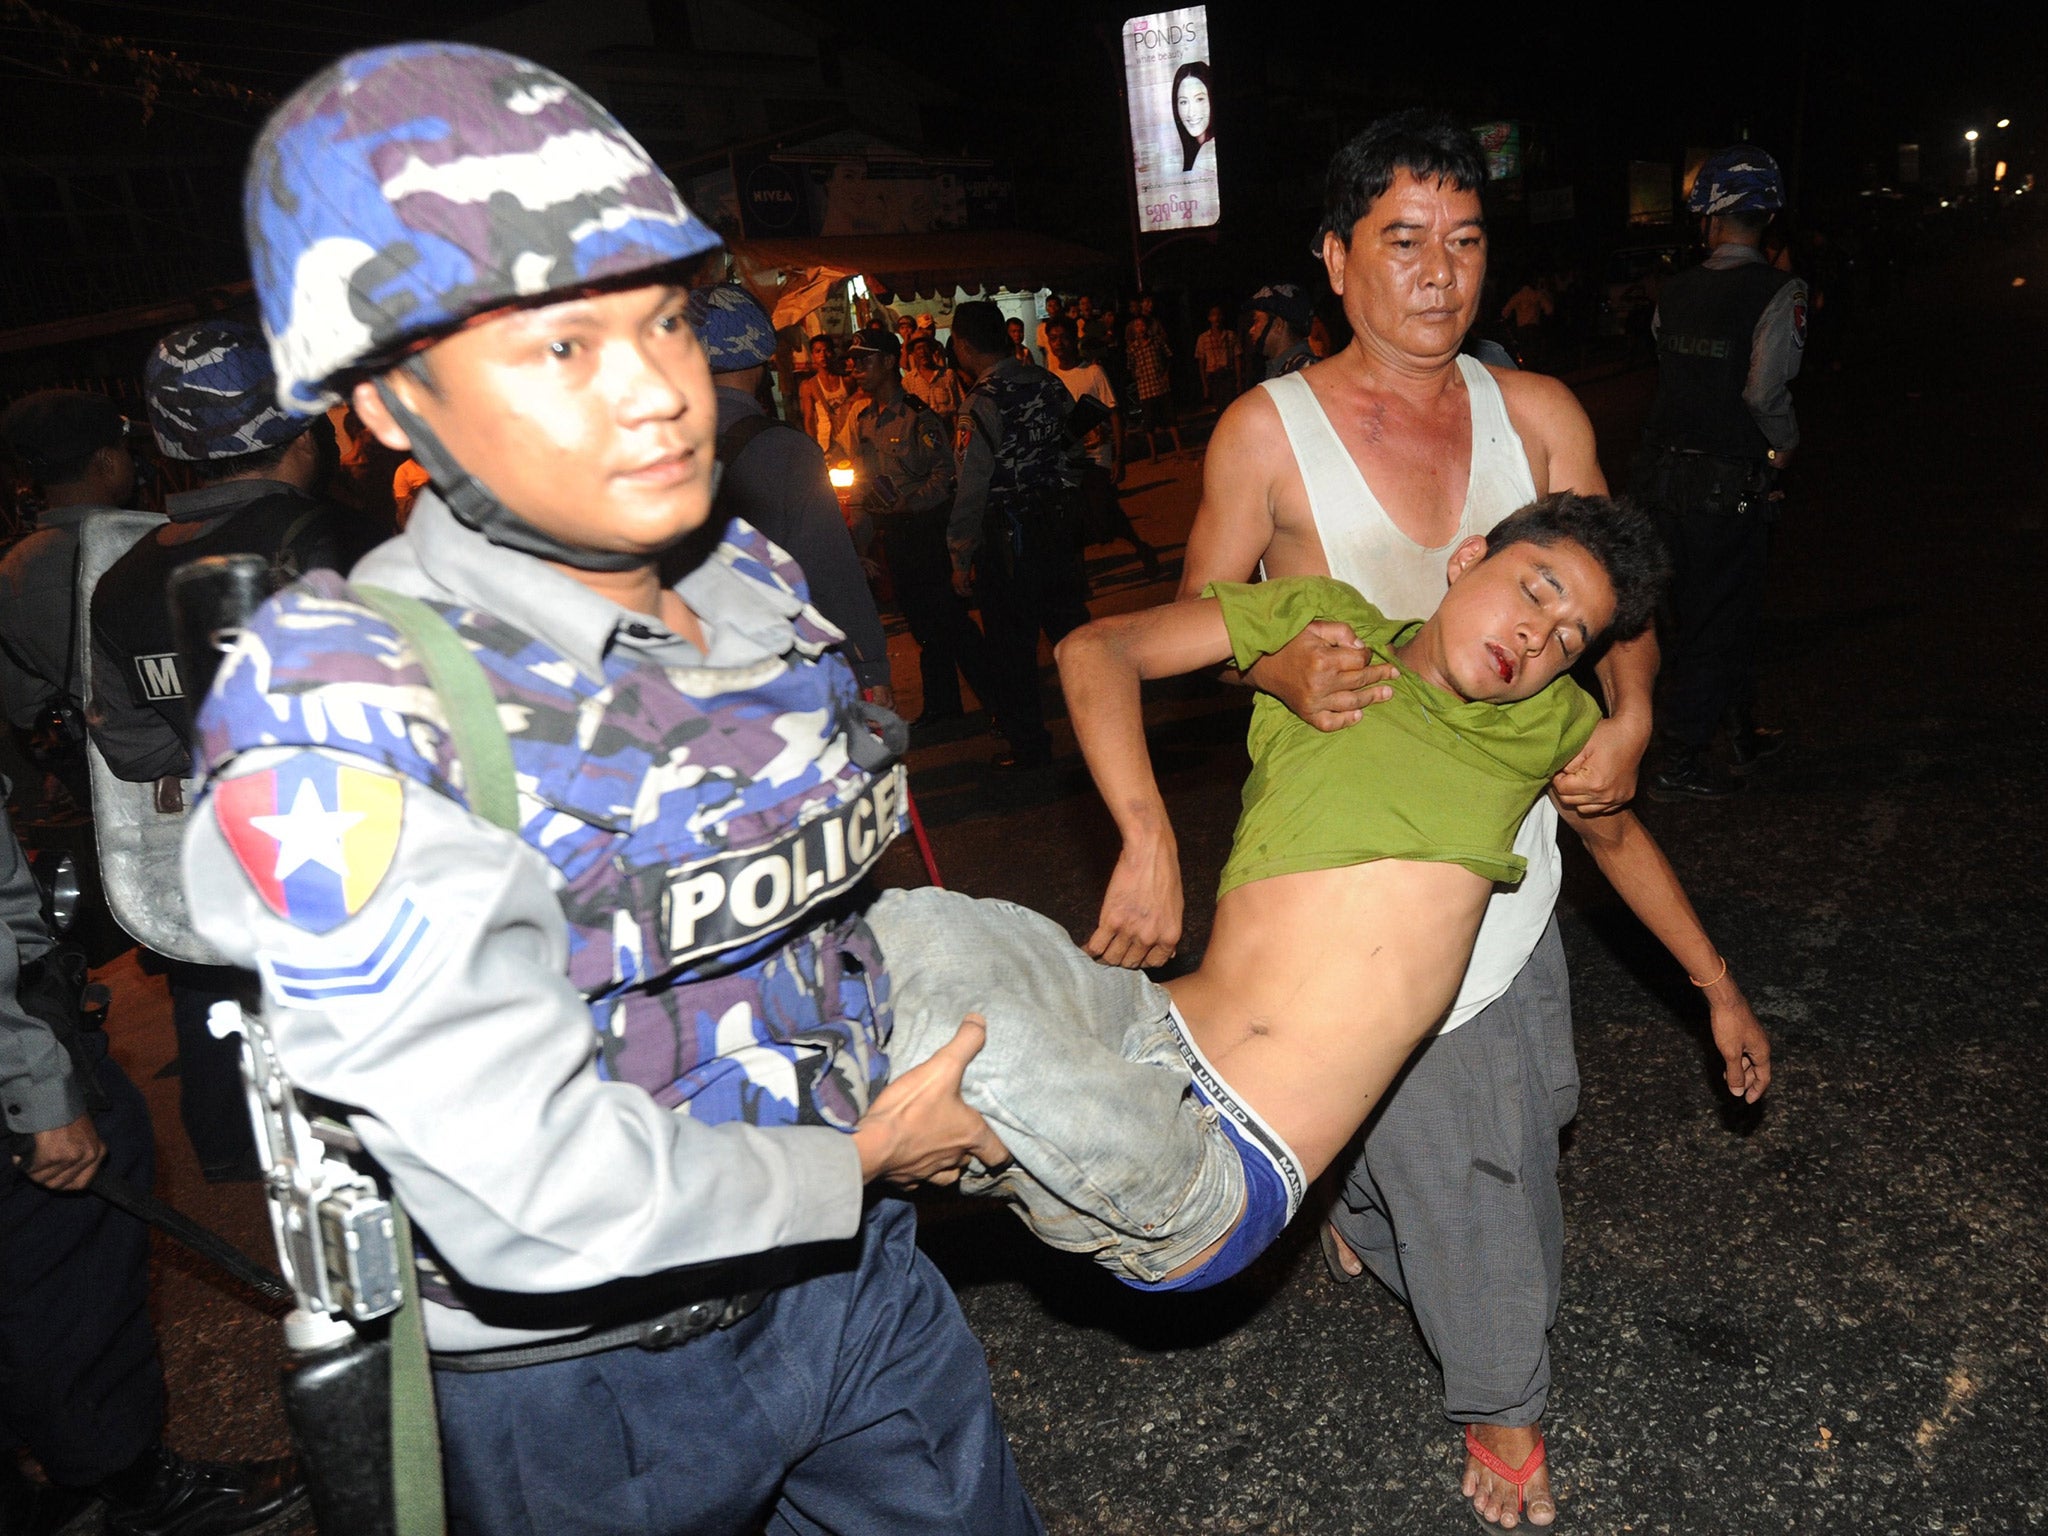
point(1173, 119)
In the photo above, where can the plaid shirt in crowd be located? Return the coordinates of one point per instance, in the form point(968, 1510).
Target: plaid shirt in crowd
point(1148, 355)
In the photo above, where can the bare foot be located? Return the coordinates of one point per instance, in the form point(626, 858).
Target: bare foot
point(1492, 1495)
point(1347, 1260)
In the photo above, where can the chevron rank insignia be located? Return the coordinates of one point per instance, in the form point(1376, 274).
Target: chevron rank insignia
point(376, 966)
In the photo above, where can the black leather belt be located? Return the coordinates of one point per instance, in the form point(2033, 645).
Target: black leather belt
point(667, 1331)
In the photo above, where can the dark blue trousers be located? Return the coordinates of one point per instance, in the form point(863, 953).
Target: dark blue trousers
point(81, 1384)
point(856, 1403)
point(212, 1102)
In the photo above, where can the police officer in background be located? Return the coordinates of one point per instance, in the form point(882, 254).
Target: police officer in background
point(774, 477)
point(1730, 334)
point(81, 1382)
point(212, 405)
point(575, 933)
point(1013, 534)
point(1278, 333)
point(75, 446)
point(906, 487)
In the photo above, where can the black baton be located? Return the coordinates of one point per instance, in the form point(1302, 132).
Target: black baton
point(208, 1244)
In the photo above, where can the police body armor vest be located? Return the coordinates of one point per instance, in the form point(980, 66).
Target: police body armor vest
point(1032, 455)
point(289, 529)
point(705, 830)
point(1706, 323)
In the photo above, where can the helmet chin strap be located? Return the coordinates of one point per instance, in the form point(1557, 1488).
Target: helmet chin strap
point(476, 507)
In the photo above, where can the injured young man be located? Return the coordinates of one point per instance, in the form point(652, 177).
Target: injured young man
point(1171, 1131)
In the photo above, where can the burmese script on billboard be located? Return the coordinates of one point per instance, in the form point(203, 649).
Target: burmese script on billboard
point(1173, 116)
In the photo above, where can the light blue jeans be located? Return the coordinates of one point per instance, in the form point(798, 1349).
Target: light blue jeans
point(1082, 1077)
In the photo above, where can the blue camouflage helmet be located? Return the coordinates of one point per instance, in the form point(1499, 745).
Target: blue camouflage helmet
point(405, 189)
point(736, 331)
point(212, 394)
point(1738, 179)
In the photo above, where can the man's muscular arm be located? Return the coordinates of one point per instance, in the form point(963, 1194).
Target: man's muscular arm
point(1602, 778)
point(1234, 523)
point(1557, 435)
point(1101, 667)
point(1321, 674)
point(1640, 874)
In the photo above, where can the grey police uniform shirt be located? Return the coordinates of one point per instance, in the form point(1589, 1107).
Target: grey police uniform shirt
point(479, 1081)
point(1775, 349)
point(38, 1090)
point(910, 443)
point(39, 663)
point(779, 486)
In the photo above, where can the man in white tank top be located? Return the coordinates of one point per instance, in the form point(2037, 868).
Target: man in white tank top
point(1371, 467)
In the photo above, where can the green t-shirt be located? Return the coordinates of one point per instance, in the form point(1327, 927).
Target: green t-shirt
point(1425, 776)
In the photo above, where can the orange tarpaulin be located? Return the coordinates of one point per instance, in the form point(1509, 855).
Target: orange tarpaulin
point(790, 277)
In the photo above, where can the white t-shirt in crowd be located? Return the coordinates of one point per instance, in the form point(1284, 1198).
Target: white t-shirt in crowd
point(1089, 382)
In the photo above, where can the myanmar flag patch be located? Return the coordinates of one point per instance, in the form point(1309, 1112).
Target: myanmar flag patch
point(314, 837)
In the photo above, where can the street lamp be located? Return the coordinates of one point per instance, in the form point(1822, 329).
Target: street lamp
point(2005, 122)
point(1970, 138)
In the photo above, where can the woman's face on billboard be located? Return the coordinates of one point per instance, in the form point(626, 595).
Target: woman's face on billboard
point(1191, 102)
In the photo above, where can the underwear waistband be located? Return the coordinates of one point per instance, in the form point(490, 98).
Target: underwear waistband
point(1253, 1130)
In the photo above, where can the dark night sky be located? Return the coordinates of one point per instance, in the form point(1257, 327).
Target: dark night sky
point(1832, 90)
point(1871, 72)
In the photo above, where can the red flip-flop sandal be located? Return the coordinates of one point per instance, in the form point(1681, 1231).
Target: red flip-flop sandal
point(1519, 1476)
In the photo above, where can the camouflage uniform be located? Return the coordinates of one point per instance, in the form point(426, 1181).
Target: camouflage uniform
point(907, 442)
point(1014, 524)
point(608, 1062)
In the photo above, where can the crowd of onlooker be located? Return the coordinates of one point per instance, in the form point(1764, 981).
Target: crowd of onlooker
point(1158, 374)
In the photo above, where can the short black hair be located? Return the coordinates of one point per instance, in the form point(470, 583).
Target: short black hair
point(1433, 145)
point(1058, 324)
point(68, 472)
point(982, 326)
point(1616, 533)
point(1748, 220)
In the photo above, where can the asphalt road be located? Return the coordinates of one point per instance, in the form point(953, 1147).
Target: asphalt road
point(1822, 1316)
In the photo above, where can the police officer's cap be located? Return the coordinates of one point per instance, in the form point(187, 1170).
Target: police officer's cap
point(1287, 301)
point(875, 339)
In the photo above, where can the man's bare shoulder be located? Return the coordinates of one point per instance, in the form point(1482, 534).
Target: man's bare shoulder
point(1249, 425)
point(1556, 433)
point(1537, 402)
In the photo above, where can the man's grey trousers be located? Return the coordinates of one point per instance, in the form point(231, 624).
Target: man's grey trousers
point(1453, 1201)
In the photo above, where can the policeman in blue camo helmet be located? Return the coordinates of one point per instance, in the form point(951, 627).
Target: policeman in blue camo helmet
point(212, 394)
point(407, 190)
point(1739, 179)
point(736, 332)
point(1730, 337)
point(259, 476)
point(775, 478)
point(608, 1017)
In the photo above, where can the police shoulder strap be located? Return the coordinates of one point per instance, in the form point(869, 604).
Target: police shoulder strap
point(471, 708)
point(736, 439)
point(485, 752)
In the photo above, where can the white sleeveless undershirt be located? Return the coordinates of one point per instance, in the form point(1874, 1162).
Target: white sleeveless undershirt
point(1403, 579)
